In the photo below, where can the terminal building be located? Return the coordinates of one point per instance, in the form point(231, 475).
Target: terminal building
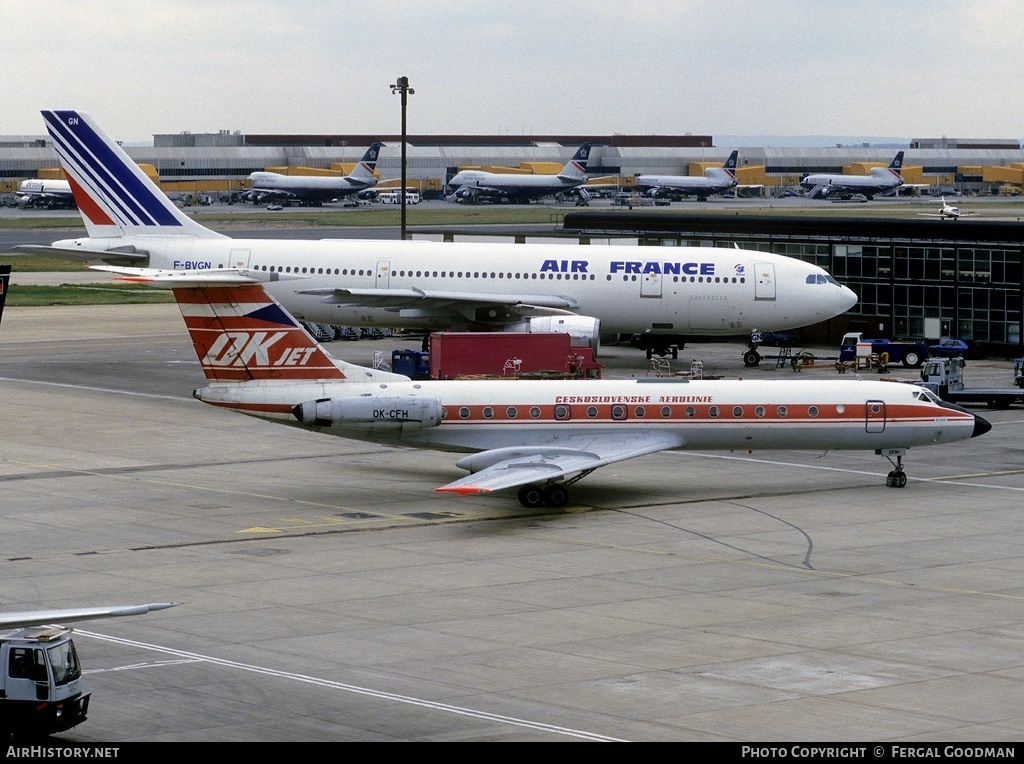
point(915, 278)
point(222, 161)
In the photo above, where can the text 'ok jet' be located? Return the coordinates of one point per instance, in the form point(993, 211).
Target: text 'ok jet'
point(474, 185)
point(314, 190)
point(689, 292)
point(716, 180)
point(536, 437)
point(879, 180)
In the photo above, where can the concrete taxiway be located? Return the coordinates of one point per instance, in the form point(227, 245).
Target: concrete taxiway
point(329, 594)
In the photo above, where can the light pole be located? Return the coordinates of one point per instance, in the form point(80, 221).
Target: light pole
point(402, 86)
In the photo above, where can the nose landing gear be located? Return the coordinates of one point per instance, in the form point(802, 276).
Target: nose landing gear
point(897, 478)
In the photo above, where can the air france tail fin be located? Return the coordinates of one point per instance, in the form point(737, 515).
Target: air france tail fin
point(364, 171)
point(576, 168)
point(115, 197)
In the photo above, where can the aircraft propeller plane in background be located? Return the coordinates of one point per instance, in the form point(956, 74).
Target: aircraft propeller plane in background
point(473, 185)
point(537, 437)
point(689, 292)
point(947, 212)
point(716, 180)
point(315, 189)
point(879, 180)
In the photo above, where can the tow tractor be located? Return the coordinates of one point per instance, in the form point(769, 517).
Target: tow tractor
point(40, 675)
point(945, 378)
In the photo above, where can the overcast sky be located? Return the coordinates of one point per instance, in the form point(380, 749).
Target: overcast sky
point(914, 68)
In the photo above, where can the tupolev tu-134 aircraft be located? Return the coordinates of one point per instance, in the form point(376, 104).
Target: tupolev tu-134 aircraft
point(688, 292)
point(537, 437)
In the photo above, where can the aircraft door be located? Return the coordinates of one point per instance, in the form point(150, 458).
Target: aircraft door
point(764, 284)
point(382, 279)
point(650, 285)
point(240, 258)
point(874, 416)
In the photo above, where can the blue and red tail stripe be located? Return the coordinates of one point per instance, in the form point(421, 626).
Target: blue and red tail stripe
point(103, 175)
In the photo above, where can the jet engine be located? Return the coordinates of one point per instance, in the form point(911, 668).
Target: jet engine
point(371, 413)
point(585, 331)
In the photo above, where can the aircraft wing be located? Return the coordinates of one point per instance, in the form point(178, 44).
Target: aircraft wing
point(502, 468)
point(440, 302)
point(39, 617)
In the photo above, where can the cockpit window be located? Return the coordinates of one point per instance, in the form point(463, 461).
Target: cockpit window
point(821, 278)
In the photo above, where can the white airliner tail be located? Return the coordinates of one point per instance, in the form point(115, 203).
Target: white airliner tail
point(576, 168)
point(115, 197)
point(727, 172)
point(363, 173)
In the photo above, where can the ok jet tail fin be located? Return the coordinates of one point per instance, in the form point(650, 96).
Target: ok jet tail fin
point(240, 333)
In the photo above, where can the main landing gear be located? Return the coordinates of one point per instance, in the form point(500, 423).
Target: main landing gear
point(897, 478)
point(551, 495)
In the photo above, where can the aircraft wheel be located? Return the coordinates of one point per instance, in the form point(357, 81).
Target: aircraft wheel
point(896, 479)
point(531, 496)
point(751, 358)
point(556, 495)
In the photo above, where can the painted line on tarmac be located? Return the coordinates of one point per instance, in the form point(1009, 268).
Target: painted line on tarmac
point(356, 690)
point(943, 480)
point(97, 389)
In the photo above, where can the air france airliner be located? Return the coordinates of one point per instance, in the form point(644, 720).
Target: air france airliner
point(585, 291)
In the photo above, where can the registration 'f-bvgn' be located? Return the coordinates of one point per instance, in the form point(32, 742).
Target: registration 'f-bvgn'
point(678, 291)
point(535, 436)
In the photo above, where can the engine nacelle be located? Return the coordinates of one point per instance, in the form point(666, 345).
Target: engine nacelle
point(373, 413)
point(584, 330)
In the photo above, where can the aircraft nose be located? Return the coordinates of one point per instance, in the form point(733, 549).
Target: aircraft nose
point(981, 426)
point(848, 298)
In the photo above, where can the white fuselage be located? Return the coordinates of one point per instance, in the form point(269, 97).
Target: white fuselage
point(879, 180)
point(512, 185)
point(705, 414)
point(697, 291)
point(687, 184)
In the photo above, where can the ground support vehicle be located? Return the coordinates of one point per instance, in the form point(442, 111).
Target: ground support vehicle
point(41, 683)
point(508, 355)
point(911, 353)
point(945, 378)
